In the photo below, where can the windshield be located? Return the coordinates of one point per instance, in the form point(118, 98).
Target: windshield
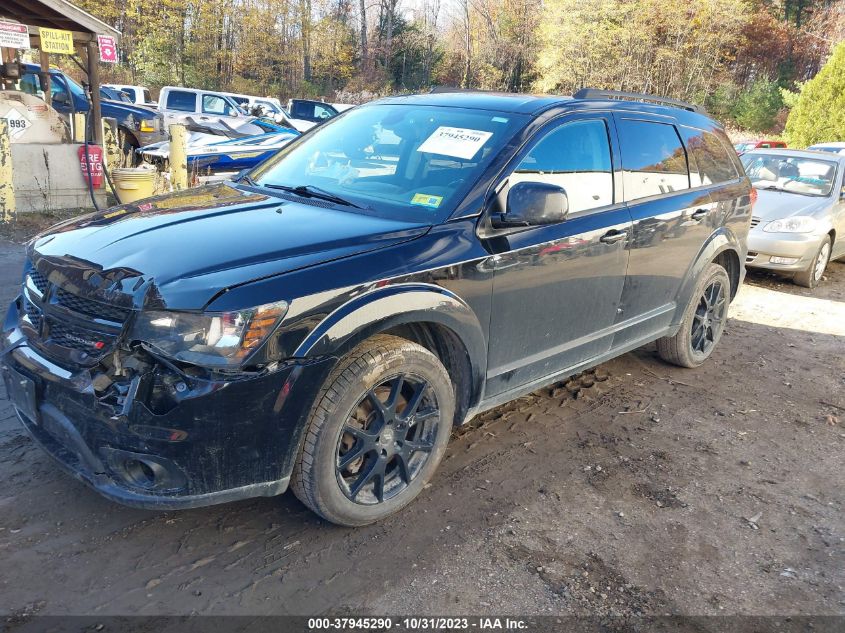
point(75, 88)
point(804, 176)
point(407, 161)
point(743, 147)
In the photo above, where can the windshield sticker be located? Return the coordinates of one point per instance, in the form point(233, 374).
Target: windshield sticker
point(455, 141)
point(425, 200)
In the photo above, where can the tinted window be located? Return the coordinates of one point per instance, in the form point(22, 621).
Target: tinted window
point(179, 100)
point(575, 156)
point(710, 163)
point(147, 97)
point(653, 160)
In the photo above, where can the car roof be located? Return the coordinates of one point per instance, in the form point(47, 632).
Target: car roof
point(796, 153)
point(535, 104)
point(837, 145)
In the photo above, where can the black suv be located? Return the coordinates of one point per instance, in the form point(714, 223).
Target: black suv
point(325, 321)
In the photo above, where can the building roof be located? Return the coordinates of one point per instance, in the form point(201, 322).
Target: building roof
point(56, 14)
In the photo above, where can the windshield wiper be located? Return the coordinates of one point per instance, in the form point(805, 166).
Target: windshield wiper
point(309, 191)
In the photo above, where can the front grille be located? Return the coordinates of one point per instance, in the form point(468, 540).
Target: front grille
point(38, 280)
point(90, 308)
point(750, 257)
point(77, 338)
point(67, 326)
point(754, 221)
point(33, 312)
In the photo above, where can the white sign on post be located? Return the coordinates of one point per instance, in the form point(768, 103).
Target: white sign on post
point(18, 123)
point(14, 35)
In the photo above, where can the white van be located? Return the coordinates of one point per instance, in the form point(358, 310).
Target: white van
point(138, 94)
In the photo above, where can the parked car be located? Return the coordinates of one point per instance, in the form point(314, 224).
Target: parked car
point(314, 112)
point(379, 280)
point(833, 148)
point(747, 146)
point(138, 94)
point(137, 125)
point(799, 217)
point(201, 105)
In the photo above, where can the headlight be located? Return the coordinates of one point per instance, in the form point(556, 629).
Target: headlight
point(208, 339)
point(148, 125)
point(795, 224)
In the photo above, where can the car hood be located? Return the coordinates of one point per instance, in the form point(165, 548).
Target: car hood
point(181, 250)
point(775, 205)
point(140, 112)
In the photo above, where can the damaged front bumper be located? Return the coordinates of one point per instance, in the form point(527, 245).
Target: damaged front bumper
point(157, 437)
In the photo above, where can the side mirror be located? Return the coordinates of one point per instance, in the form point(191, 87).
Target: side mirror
point(533, 204)
point(60, 97)
point(231, 112)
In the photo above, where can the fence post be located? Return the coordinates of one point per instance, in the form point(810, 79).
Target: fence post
point(7, 190)
point(79, 130)
point(178, 157)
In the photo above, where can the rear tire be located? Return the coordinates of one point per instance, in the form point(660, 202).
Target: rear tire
point(377, 432)
point(703, 323)
point(811, 277)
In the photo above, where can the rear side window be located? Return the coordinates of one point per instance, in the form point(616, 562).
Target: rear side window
point(653, 159)
point(575, 156)
point(147, 97)
point(180, 100)
point(710, 162)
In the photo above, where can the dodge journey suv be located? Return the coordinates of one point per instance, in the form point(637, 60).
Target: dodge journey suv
point(324, 321)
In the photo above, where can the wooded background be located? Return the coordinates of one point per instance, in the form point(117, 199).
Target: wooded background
point(744, 59)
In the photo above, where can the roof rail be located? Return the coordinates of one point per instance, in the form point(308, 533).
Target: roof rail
point(594, 93)
point(447, 89)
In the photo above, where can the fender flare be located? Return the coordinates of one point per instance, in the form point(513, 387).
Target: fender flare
point(720, 241)
point(402, 304)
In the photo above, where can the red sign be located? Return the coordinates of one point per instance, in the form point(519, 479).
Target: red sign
point(94, 166)
point(108, 49)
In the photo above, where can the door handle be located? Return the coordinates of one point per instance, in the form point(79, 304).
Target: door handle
point(611, 237)
point(699, 214)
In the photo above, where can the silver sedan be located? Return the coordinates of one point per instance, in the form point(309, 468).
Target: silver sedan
point(798, 222)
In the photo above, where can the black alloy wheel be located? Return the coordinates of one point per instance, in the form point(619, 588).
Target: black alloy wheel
point(387, 439)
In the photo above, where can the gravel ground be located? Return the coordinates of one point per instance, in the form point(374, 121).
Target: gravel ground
point(637, 488)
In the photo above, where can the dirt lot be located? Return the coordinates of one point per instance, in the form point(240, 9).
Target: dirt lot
point(639, 488)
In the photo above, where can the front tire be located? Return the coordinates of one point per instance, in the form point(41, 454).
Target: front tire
point(703, 323)
point(377, 432)
point(811, 277)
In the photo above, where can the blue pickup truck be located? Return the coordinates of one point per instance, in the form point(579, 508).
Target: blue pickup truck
point(137, 125)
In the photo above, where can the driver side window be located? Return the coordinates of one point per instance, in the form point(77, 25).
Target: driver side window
point(575, 156)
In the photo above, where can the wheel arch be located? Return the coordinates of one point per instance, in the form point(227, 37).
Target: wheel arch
point(426, 314)
point(722, 248)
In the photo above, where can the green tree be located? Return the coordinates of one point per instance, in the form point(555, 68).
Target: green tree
point(819, 114)
point(757, 108)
